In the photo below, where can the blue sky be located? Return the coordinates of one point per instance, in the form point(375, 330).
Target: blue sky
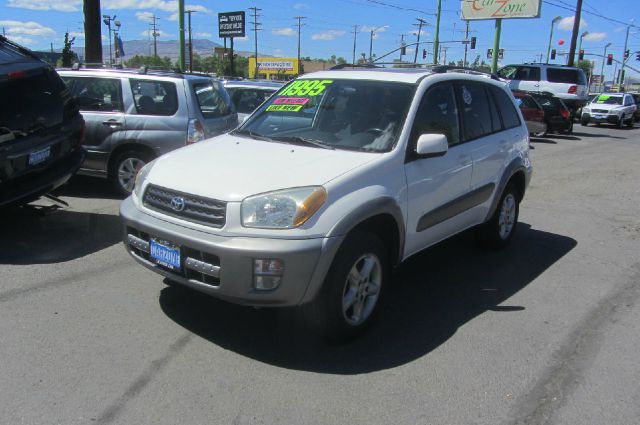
point(329, 24)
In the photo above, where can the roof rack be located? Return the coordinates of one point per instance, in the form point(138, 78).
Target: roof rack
point(441, 69)
point(352, 65)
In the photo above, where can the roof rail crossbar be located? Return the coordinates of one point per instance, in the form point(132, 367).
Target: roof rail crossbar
point(351, 65)
point(440, 69)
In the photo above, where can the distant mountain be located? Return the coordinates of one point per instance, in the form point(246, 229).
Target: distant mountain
point(165, 48)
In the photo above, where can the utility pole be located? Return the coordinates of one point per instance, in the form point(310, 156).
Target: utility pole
point(256, 15)
point(401, 45)
point(154, 34)
point(624, 61)
point(299, 18)
point(444, 61)
point(189, 12)
point(420, 23)
point(574, 34)
point(466, 44)
point(436, 39)
point(181, 33)
point(92, 32)
point(355, 33)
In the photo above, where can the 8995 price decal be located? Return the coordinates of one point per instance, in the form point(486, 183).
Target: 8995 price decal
point(305, 88)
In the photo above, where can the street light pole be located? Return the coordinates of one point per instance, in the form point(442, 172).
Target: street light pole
point(604, 58)
point(107, 21)
point(554, 21)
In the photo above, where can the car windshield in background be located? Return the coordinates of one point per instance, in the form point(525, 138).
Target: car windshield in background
point(567, 76)
point(247, 99)
point(604, 99)
point(340, 114)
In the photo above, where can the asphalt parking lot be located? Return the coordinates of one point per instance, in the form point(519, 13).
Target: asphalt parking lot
point(544, 332)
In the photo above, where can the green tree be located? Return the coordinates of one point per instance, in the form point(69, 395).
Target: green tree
point(68, 55)
point(586, 66)
point(152, 61)
point(341, 60)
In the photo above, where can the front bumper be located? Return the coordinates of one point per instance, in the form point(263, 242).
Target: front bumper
point(223, 266)
point(601, 118)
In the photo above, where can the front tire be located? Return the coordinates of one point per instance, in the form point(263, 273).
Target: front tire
point(584, 122)
point(352, 288)
point(498, 232)
point(125, 168)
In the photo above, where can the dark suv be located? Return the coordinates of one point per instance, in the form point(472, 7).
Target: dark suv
point(41, 130)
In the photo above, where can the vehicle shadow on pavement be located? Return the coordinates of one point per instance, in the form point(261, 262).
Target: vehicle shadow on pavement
point(609, 135)
point(542, 140)
point(431, 296)
point(36, 236)
point(88, 187)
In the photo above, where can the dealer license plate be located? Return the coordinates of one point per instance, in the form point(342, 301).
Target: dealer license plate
point(164, 253)
point(598, 116)
point(36, 157)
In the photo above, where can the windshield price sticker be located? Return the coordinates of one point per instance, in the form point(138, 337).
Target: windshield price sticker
point(305, 88)
point(284, 108)
point(603, 98)
point(291, 101)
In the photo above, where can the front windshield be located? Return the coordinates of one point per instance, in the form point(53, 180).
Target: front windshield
point(339, 114)
point(608, 100)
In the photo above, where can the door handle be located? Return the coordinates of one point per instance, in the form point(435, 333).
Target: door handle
point(112, 123)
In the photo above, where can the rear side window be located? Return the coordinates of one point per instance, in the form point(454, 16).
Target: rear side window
point(566, 76)
point(96, 94)
point(213, 99)
point(527, 102)
point(510, 118)
point(153, 97)
point(437, 114)
point(476, 115)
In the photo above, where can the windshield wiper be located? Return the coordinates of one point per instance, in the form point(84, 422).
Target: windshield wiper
point(302, 141)
point(253, 135)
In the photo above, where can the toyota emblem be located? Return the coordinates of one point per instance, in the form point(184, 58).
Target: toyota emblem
point(177, 203)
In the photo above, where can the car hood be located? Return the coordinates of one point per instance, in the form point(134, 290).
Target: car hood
point(604, 106)
point(230, 168)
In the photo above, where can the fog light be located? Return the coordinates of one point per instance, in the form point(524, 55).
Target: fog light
point(267, 273)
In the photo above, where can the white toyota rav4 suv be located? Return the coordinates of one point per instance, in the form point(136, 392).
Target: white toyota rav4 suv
point(338, 177)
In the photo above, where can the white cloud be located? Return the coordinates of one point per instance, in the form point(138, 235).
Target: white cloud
point(366, 28)
point(27, 28)
point(567, 23)
point(595, 36)
point(204, 35)
point(328, 35)
point(59, 5)
point(173, 17)
point(149, 33)
point(283, 31)
point(240, 39)
point(20, 39)
point(76, 34)
point(300, 6)
point(278, 52)
point(423, 33)
point(144, 16)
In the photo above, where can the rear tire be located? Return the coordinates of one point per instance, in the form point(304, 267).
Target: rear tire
point(352, 288)
point(498, 232)
point(125, 167)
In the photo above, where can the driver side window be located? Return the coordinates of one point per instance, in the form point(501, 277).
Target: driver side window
point(437, 114)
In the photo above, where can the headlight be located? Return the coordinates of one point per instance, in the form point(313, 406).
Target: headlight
point(283, 209)
point(140, 178)
point(586, 110)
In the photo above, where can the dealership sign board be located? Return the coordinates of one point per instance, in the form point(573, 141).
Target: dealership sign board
point(269, 66)
point(231, 24)
point(500, 9)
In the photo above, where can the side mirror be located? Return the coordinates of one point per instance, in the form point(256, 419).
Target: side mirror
point(432, 145)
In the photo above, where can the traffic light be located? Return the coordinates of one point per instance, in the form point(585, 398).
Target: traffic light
point(473, 42)
point(424, 53)
point(403, 50)
point(609, 58)
point(638, 56)
point(489, 53)
point(626, 54)
point(553, 54)
point(581, 55)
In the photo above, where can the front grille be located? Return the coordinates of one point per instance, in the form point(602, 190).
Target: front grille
point(600, 111)
point(197, 209)
point(195, 265)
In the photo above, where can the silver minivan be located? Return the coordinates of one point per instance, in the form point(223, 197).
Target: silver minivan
point(134, 116)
